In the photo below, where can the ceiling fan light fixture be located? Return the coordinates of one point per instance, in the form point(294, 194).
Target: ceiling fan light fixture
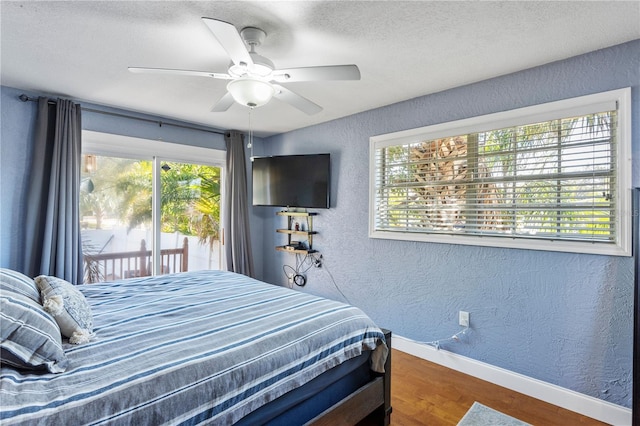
point(251, 92)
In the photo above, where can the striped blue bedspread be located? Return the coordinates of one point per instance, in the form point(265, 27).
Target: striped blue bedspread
point(191, 348)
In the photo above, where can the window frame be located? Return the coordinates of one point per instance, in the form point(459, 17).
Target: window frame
point(582, 105)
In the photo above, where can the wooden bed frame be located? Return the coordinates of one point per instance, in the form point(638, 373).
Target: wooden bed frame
point(371, 402)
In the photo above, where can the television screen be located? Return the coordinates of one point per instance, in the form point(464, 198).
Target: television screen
point(292, 181)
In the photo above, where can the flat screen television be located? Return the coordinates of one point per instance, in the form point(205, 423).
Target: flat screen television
point(292, 181)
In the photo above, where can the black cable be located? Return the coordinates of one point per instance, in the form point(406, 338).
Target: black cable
point(289, 277)
point(296, 275)
point(311, 259)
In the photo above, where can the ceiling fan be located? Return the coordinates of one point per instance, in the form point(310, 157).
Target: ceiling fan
point(253, 79)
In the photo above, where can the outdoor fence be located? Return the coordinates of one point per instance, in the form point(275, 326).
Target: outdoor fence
point(113, 266)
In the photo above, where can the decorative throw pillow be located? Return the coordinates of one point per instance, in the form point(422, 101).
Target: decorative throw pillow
point(68, 306)
point(30, 337)
point(18, 283)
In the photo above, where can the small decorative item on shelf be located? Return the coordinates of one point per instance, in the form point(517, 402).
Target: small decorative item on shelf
point(296, 245)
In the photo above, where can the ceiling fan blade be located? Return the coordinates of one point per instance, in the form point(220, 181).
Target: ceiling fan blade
point(229, 38)
point(139, 70)
point(303, 104)
point(223, 104)
point(321, 73)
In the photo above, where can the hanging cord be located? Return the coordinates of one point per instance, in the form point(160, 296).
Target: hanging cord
point(304, 264)
point(320, 261)
point(289, 272)
point(453, 339)
point(301, 261)
point(296, 275)
point(316, 260)
point(250, 141)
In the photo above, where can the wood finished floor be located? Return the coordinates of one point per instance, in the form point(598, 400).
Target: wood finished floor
point(424, 393)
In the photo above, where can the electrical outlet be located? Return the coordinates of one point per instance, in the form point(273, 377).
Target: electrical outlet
point(463, 318)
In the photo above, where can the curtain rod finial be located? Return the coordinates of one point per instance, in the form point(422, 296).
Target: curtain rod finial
point(23, 98)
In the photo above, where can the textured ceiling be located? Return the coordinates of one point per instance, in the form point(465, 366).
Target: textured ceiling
point(404, 50)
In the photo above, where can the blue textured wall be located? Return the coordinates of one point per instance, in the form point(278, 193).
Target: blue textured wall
point(16, 148)
point(562, 318)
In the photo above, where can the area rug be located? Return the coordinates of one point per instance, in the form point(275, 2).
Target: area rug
point(481, 415)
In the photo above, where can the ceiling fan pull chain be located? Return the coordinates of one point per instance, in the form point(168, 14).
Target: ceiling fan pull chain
point(250, 143)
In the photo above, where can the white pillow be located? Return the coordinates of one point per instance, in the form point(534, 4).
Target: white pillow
point(68, 306)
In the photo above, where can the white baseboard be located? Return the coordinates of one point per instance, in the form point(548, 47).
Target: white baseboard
point(583, 404)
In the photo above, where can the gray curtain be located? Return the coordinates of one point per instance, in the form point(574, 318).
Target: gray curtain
point(52, 223)
point(236, 223)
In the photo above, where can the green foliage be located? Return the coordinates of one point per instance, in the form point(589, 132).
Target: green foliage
point(548, 178)
point(133, 186)
point(190, 196)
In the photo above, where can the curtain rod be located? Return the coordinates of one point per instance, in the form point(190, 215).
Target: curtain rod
point(25, 98)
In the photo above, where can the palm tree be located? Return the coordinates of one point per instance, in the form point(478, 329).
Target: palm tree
point(207, 220)
point(134, 188)
point(190, 198)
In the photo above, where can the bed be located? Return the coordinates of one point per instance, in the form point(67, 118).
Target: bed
point(206, 347)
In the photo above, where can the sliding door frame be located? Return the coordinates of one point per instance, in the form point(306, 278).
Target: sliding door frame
point(112, 145)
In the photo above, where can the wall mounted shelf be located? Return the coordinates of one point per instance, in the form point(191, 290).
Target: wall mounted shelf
point(291, 230)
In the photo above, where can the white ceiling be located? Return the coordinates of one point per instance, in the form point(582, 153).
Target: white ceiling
point(404, 49)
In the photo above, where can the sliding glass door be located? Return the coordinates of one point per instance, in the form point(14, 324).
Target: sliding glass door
point(145, 217)
point(115, 211)
point(190, 215)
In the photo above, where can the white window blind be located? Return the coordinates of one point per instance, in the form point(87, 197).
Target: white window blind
point(552, 180)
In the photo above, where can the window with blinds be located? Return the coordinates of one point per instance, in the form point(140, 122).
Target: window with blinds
point(546, 177)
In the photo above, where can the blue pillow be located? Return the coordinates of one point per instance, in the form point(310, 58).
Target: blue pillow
point(30, 337)
point(18, 283)
point(68, 306)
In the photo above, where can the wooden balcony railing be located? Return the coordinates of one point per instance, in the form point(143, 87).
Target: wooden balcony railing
point(113, 266)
